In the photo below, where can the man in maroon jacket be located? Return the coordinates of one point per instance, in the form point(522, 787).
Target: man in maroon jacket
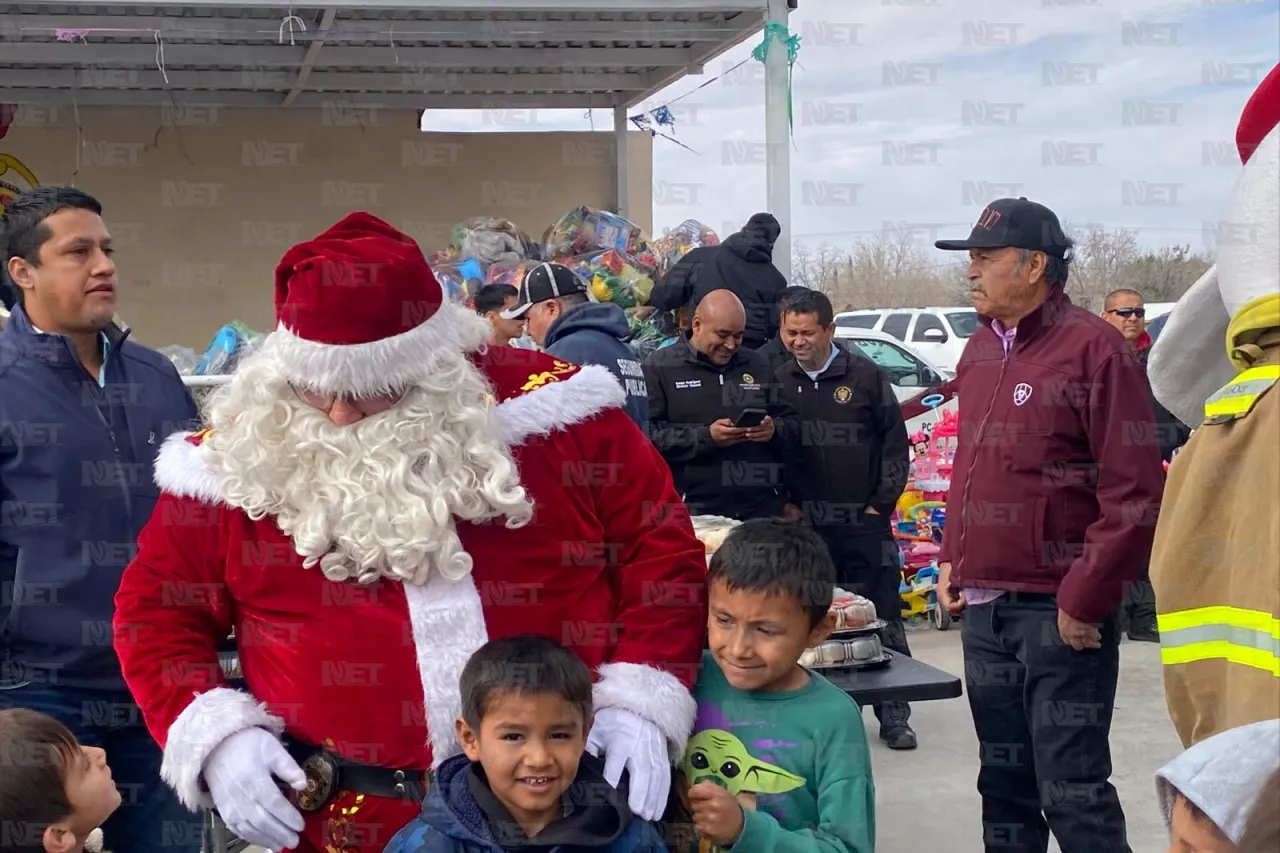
point(1054, 496)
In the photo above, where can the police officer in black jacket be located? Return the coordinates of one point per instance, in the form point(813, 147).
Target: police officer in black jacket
point(773, 348)
point(726, 460)
point(846, 468)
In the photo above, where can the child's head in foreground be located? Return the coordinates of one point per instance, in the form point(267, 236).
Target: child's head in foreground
point(526, 709)
point(1208, 792)
point(770, 587)
point(53, 791)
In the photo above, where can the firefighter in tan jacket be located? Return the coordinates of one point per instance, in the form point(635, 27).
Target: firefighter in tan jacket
point(1216, 561)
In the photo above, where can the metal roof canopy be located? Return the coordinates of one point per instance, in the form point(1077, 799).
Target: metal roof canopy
point(390, 54)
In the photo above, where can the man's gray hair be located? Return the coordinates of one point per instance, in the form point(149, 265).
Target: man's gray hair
point(1056, 268)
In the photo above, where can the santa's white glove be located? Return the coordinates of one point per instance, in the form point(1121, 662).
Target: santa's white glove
point(239, 775)
point(631, 742)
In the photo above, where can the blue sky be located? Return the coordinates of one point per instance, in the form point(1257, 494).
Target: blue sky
point(1114, 112)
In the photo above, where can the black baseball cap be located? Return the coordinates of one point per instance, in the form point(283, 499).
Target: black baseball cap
point(1016, 223)
point(543, 282)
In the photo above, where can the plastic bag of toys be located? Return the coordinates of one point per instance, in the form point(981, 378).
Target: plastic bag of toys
point(586, 230)
point(460, 281)
point(647, 331)
point(613, 277)
point(490, 240)
point(506, 272)
point(679, 241)
point(232, 342)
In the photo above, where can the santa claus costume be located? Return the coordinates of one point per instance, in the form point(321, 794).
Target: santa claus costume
point(489, 492)
point(1215, 565)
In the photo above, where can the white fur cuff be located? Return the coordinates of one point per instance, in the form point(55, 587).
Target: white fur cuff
point(211, 718)
point(653, 694)
point(182, 472)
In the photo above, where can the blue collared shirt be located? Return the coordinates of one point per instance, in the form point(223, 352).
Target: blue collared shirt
point(106, 353)
point(814, 374)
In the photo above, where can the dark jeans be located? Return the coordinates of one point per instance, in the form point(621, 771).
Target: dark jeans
point(1138, 609)
point(867, 564)
point(150, 818)
point(1042, 712)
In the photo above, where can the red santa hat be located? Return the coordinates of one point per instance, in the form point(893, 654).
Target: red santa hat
point(359, 312)
point(1261, 114)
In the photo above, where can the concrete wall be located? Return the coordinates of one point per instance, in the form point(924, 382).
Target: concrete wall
point(203, 202)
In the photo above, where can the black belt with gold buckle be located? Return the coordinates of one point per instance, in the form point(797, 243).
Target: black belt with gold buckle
point(328, 773)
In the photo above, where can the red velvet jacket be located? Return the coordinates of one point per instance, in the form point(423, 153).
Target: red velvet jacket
point(1057, 477)
point(610, 567)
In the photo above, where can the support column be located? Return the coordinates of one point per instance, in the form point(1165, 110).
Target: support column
point(621, 195)
point(777, 138)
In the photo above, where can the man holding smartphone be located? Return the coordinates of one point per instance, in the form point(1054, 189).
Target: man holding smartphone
point(847, 466)
point(716, 417)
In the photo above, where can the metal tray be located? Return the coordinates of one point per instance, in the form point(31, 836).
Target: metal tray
point(869, 628)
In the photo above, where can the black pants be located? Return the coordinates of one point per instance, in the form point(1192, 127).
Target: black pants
point(867, 563)
point(1138, 609)
point(1043, 716)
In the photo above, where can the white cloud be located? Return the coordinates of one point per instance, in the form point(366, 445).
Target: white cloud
point(1110, 111)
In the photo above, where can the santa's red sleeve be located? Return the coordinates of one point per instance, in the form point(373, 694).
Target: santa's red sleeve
point(172, 614)
point(662, 578)
point(659, 563)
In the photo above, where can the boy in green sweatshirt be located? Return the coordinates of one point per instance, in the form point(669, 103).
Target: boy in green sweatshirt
point(778, 762)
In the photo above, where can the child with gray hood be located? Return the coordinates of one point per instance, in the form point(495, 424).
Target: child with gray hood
point(1207, 792)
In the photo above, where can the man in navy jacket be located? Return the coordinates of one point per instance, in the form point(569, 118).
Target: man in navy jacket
point(83, 411)
point(568, 324)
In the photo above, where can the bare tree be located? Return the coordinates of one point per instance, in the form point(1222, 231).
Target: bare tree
point(893, 269)
point(1098, 262)
point(816, 268)
point(1164, 275)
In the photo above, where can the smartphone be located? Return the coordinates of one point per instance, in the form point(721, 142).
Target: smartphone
point(750, 418)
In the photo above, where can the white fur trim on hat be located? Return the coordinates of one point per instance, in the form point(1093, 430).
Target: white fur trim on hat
point(381, 366)
point(587, 393)
point(651, 693)
point(182, 471)
point(447, 619)
point(211, 718)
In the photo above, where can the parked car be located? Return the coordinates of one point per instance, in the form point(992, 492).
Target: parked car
point(939, 334)
point(910, 373)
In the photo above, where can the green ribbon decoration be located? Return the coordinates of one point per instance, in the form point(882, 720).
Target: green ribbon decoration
point(782, 34)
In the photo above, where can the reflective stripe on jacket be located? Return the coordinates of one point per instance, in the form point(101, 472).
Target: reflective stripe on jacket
point(1216, 561)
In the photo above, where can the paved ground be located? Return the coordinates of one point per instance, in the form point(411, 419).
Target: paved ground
point(926, 800)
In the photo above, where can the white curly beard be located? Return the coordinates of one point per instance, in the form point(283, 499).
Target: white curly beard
point(377, 498)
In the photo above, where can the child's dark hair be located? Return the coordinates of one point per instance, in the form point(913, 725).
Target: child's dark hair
point(36, 752)
point(778, 556)
point(527, 664)
point(492, 297)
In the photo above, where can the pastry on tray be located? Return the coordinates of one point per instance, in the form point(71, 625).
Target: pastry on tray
point(853, 611)
point(858, 650)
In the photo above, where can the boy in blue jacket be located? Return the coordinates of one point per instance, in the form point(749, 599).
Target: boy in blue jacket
point(524, 781)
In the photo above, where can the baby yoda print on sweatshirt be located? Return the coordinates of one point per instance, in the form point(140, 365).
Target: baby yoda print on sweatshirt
point(798, 762)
